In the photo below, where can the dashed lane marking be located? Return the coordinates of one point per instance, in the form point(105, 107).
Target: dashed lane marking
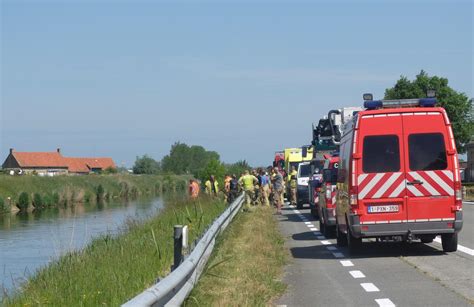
point(384, 302)
point(326, 242)
point(320, 237)
point(313, 229)
point(316, 233)
point(307, 223)
point(338, 255)
point(310, 225)
point(369, 287)
point(346, 263)
point(461, 248)
point(331, 248)
point(357, 274)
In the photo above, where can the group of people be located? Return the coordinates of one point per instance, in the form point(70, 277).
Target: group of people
point(259, 187)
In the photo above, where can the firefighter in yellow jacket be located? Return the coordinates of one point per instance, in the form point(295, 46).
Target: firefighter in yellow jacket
point(293, 185)
point(248, 182)
point(212, 186)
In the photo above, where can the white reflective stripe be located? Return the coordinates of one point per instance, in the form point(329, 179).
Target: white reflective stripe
point(435, 220)
point(368, 116)
point(381, 222)
point(398, 190)
point(368, 223)
point(395, 114)
point(426, 185)
point(370, 185)
point(434, 113)
point(441, 183)
point(357, 123)
point(362, 177)
point(380, 115)
point(395, 222)
point(386, 185)
point(448, 174)
point(450, 133)
point(414, 190)
point(448, 219)
point(407, 114)
point(446, 118)
point(420, 113)
point(421, 220)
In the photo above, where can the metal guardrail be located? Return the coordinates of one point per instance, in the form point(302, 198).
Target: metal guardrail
point(174, 288)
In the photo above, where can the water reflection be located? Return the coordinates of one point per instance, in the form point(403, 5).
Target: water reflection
point(32, 239)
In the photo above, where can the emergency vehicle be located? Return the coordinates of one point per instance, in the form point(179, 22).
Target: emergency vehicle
point(279, 160)
point(302, 179)
point(327, 196)
point(326, 140)
point(398, 175)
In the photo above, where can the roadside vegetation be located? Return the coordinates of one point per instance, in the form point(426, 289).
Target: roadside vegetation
point(25, 192)
point(246, 267)
point(113, 269)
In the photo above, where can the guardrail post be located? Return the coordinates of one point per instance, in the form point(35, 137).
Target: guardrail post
point(178, 246)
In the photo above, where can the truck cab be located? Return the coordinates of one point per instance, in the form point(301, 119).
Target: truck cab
point(399, 175)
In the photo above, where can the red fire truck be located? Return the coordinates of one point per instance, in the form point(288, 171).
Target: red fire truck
point(399, 175)
point(327, 196)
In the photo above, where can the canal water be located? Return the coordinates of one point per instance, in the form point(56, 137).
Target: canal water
point(32, 240)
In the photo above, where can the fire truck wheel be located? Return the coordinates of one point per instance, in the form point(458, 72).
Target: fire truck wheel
point(354, 244)
point(341, 238)
point(450, 242)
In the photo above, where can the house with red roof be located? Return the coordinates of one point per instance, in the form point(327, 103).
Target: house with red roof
point(54, 163)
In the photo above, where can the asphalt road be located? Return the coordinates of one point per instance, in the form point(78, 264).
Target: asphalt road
point(382, 274)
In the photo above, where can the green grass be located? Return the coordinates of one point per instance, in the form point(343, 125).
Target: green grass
point(76, 189)
point(113, 269)
point(246, 266)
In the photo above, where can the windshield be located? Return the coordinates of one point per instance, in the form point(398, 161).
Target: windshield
point(305, 170)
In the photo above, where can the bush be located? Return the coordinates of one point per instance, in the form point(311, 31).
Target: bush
point(3, 206)
point(100, 192)
point(23, 201)
point(38, 201)
point(56, 198)
point(48, 200)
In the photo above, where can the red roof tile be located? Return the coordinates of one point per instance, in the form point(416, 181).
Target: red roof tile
point(39, 159)
point(55, 159)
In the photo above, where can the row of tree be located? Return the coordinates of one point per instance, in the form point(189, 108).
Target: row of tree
point(193, 160)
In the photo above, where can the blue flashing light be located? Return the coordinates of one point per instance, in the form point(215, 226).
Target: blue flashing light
point(428, 102)
point(373, 104)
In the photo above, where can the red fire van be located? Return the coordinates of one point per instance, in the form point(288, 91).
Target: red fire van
point(399, 175)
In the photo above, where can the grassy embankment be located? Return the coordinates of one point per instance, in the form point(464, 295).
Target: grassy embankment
point(113, 269)
point(66, 190)
point(246, 267)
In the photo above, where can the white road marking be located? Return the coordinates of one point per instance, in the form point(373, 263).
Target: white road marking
point(310, 225)
point(313, 229)
point(369, 287)
point(331, 248)
point(357, 274)
point(307, 223)
point(468, 203)
point(320, 237)
point(346, 263)
point(297, 211)
point(316, 233)
point(384, 302)
point(338, 255)
point(461, 248)
point(326, 242)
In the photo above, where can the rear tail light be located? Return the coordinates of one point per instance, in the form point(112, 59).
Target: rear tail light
point(458, 194)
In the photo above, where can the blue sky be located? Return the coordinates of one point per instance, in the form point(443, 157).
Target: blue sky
point(244, 78)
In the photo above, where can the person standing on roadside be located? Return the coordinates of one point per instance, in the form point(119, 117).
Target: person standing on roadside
point(264, 188)
point(292, 181)
point(248, 182)
point(277, 182)
point(227, 180)
point(193, 189)
point(233, 189)
point(212, 186)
